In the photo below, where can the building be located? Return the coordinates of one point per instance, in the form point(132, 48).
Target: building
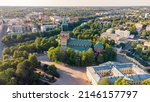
point(148, 27)
point(122, 34)
point(115, 70)
point(146, 15)
point(139, 26)
point(47, 27)
point(98, 47)
point(20, 26)
point(3, 27)
point(19, 29)
point(147, 43)
point(56, 19)
point(77, 45)
point(73, 19)
point(110, 31)
point(119, 36)
point(64, 25)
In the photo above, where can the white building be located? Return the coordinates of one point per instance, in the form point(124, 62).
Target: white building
point(118, 36)
point(146, 43)
point(148, 27)
point(123, 34)
point(15, 29)
point(139, 26)
point(146, 15)
point(19, 29)
point(47, 27)
point(34, 30)
point(115, 70)
point(56, 19)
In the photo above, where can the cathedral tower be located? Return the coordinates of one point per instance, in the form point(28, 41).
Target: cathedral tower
point(64, 35)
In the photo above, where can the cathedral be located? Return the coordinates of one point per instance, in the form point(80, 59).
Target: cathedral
point(77, 45)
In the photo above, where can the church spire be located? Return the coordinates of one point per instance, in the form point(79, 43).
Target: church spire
point(64, 26)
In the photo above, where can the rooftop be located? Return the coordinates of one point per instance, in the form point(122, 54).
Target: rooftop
point(139, 77)
point(110, 65)
point(113, 67)
point(99, 45)
point(79, 42)
point(79, 48)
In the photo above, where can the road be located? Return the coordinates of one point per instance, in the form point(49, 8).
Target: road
point(68, 75)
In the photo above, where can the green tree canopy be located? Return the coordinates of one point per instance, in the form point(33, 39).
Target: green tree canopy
point(121, 81)
point(104, 81)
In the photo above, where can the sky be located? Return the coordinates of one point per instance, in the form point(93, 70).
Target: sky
point(74, 2)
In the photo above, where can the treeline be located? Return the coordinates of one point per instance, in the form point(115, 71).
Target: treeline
point(90, 30)
point(39, 45)
point(85, 58)
point(18, 65)
point(70, 57)
point(73, 25)
point(21, 67)
point(18, 70)
point(122, 81)
point(19, 38)
point(145, 34)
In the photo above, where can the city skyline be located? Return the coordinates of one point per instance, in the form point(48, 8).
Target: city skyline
point(75, 3)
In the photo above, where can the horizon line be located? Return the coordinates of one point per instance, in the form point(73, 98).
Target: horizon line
point(79, 6)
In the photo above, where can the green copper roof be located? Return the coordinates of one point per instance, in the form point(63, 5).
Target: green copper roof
point(79, 48)
point(98, 45)
point(79, 42)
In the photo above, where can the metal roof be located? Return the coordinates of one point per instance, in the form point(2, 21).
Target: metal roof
point(99, 45)
point(79, 48)
point(79, 42)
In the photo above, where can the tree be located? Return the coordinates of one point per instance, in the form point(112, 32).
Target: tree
point(87, 57)
point(70, 56)
point(52, 70)
point(90, 56)
point(33, 60)
point(133, 44)
point(143, 33)
point(104, 81)
point(6, 75)
point(6, 51)
point(139, 48)
point(121, 81)
point(122, 45)
point(56, 54)
point(18, 54)
point(12, 81)
point(133, 30)
point(146, 81)
point(109, 54)
point(100, 59)
point(5, 57)
point(112, 42)
point(25, 72)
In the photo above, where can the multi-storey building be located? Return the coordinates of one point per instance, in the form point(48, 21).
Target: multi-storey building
point(115, 70)
point(75, 44)
point(118, 36)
